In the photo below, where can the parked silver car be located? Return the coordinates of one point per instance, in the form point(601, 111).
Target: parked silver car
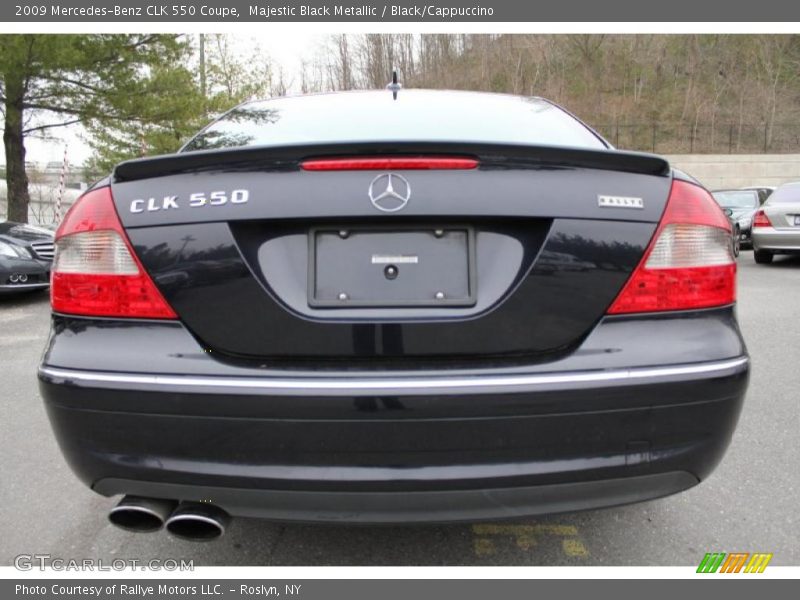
point(776, 225)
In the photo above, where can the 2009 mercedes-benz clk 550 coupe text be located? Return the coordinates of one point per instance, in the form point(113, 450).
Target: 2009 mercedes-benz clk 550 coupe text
point(355, 308)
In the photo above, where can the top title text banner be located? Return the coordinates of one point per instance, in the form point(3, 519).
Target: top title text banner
point(441, 11)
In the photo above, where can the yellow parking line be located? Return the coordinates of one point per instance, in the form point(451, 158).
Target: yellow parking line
point(484, 547)
point(525, 536)
point(525, 542)
point(543, 529)
point(574, 548)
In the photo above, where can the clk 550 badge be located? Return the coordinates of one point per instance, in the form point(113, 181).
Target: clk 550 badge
point(152, 204)
point(619, 202)
point(196, 200)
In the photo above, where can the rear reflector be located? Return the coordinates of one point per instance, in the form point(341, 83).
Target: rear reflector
point(761, 219)
point(95, 272)
point(383, 163)
point(689, 263)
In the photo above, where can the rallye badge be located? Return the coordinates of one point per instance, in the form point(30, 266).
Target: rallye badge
point(619, 202)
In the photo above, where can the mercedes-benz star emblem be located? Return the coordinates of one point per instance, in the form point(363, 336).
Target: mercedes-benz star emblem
point(389, 192)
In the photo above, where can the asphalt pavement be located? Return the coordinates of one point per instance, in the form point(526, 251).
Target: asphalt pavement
point(749, 504)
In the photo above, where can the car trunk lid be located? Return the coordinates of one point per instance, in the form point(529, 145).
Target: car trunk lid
point(266, 261)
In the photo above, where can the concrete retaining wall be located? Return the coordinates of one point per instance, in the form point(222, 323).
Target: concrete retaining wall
point(717, 171)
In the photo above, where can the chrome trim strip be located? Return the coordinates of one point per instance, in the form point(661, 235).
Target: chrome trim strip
point(396, 385)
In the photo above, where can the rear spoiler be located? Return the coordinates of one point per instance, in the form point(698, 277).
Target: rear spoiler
point(288, 158)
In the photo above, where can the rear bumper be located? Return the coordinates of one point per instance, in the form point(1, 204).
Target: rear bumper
point(15, 288)
point(776, 240)
point(442, 506)
point(36, 272)
point(401, 447)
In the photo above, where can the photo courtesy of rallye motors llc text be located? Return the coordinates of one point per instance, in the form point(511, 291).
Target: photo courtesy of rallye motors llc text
point(145, 591)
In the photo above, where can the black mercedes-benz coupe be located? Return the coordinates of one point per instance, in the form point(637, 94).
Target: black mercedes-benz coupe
point(392, 308)
point(26, 253)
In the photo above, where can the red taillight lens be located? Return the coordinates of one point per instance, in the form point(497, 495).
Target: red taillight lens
point(761, 220)
point(95, 271)
point(689, 263)
point(384, 163)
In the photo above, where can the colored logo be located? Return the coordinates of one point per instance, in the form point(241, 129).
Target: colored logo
point(734, 562)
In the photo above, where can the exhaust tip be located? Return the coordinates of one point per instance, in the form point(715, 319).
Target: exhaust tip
point(198, 522)
point(141, 515)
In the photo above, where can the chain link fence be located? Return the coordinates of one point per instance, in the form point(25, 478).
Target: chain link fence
point(722, 138)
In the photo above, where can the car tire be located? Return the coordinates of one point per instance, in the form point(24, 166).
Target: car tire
point(763, 257)
point(737, 242)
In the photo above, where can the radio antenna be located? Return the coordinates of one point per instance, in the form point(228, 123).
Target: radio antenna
point(394, 86)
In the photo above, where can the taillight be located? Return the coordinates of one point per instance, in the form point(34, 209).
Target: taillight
point(95, 271)
point(689, 263)
point(761, 219)
point(384, 163)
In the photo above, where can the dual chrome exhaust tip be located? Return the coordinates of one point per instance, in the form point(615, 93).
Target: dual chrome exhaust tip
point(198, 522)
point(195, 521)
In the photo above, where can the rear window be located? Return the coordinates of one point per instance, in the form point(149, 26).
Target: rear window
point(416, 115)
point(785, 194)
point(736, 199)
